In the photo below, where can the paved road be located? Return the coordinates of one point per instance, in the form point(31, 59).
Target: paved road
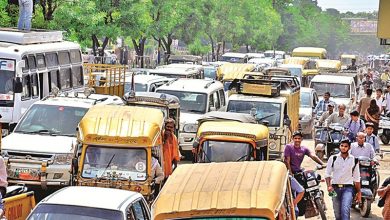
point(384, 172)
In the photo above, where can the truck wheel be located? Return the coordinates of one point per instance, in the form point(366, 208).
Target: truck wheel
point(320, 208)
point(365, 208)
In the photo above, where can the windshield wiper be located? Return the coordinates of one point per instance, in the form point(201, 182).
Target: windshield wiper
point(42, 131)
point(193, 110)
point(270, 115)
point(108, 165)
point(239, 159)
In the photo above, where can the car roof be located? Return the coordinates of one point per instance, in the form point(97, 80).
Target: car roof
point(193, 85)
point(239, 55)
point(81, 100)
point(145, 78)
point(291, 66)
point(96, 197)
point(338, 79)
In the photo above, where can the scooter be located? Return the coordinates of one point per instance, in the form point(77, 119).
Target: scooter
point(327, 140)
point(384, 128)
point(369, 181)
point(313, 203)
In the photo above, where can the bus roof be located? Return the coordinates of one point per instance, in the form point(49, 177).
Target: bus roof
point(34, 36)
point(121, 126)
point(248, 188)
point(234, 67)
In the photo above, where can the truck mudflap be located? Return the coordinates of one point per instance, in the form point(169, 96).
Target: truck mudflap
point(18, 207)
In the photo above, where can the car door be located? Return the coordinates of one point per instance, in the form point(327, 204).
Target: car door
point(138, 210)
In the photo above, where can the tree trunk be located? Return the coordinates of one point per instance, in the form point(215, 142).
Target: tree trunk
point(139, 49)
point(247, 48)
point(218, 49)
point(48, 8)
point(212, 48)
point(223, 47)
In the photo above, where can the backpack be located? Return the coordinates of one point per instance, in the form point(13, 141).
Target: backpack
point(360, 124)
point(354, 166)
point(373, 139)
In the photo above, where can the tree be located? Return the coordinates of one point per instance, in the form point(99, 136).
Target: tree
point(5, 19)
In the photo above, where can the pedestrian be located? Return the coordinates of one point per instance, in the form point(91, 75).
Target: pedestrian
point(342, 175)
point(371, 138)
point(25, 14)
point(373, 115)
point(364, 103)
point(170, 147)
point(383, 194)
point(3, 184)
point(353, 126)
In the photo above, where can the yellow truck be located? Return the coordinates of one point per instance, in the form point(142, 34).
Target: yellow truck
point(18, 203)
point(228, 78)
point(231, 190)
point(227, 136)
point(275, 101)
point(383, 32)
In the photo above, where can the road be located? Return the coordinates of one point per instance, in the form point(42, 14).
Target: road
point(384, 172)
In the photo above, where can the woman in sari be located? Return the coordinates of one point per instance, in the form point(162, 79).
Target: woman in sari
point(373, 114)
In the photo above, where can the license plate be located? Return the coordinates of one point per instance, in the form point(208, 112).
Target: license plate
point(27, 174)
point(365, 182)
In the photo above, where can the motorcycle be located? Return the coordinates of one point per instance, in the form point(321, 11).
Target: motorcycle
point(313, 203)
point(327, 140)
point(369, 181)
point(384, 128)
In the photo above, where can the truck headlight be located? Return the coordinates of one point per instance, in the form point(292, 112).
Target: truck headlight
point(62, 159)
point(190, 128)
point(272, 145)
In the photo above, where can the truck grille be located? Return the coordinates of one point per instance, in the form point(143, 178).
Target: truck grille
point(24, 155)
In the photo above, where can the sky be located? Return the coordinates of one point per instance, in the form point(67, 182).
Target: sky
point(350, 5)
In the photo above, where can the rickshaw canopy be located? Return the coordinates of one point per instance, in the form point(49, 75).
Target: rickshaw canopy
point(234, 67)
point(311, 52)
point(239, 75)
point(328, 65)
point(246, 189)
point(121, 125)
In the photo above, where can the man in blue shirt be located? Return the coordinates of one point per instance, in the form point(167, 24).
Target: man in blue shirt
point(371, 138)
point(353, 126)
point(323, 104)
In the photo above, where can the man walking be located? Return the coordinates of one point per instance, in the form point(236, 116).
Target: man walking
point(25, 14)
point(342, 174)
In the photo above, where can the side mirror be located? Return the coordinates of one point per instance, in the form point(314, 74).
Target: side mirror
point(75, 166)
point(287, 122)
point(18, 87)
point(196, 143)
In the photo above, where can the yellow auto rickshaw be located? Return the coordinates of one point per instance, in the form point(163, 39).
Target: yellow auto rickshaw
point(240, 190)
point(328, 66)
point(346, 60)
point(115, 146)
point(228, 136)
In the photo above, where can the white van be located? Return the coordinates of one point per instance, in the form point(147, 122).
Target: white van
point(145, 83)
point(40, 150)
point(197, 97)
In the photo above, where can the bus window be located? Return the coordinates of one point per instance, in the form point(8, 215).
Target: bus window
point(25, 68)
point(77, 76)
point(34, 83)
point(26, 82)
point(51, 60)
point(65, 78)
point(41, 61)
point(63, 58)
point(53, 79)
point(75, 56)
point(31, 62)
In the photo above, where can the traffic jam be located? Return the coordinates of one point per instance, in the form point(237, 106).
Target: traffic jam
point(266, 135)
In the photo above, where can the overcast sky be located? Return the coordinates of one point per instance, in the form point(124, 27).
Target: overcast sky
point(350, 5)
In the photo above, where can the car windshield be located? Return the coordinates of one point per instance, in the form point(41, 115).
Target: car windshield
point(305, 99)
point(226, 85)
point(336, 90)
point(139, 87)
point(51, 120)
point(127, 163)
point(346, 61)
point(189, 101)
point(65, 212)
point(232, 59)
point(221, 151)
point(210, 73)
point(6, 82)
point(268, 111)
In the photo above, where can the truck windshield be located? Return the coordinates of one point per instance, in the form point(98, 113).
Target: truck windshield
point(51, 120)
point(269, 111)
point(210, 73)
point(127, 163)
point(222, 151)
point(65, 212)
point(305, 99)
point(189, 101)
point(336, 90)
point(139, 87)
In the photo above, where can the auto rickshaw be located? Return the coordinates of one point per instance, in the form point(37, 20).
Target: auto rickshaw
point(346, 60)
point(114, 148)
point(230, 76)
point(169, 104)
point(228, 136)
point(239, 190)
point(277, 71)
point(234, 67)
point(331, 66)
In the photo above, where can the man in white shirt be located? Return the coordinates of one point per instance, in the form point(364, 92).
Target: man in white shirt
point(361, 147)
point(379, 99)
point(342, 175)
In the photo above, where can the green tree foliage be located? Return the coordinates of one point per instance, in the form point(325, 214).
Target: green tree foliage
point(5, 19)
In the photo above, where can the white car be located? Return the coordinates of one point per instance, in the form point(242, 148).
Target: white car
point(145, 83)
point(40, 150)
point(197, 97)
point(308, 101)
point(82, 202)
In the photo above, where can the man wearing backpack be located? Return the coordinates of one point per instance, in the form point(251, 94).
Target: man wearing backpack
point(362, 148)
point(353, 126)
point(371, 138)
point(342, 175)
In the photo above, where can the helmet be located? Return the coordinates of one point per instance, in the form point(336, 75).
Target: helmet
point(296, 133)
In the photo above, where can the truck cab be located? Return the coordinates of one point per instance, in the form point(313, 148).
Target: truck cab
point(39, 151)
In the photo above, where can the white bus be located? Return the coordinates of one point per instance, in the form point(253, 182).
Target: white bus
point(31, 65)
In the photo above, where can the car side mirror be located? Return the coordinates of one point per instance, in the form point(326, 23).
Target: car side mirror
point(195, 144)
point(18, 87)
point(287, 122)
point(75, 166)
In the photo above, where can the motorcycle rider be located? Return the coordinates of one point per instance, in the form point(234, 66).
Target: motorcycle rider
point(386, 100)
point(385, 76)
point(371, 138)
point(338, 117)
point(322, 104)
point(379, 99)
point(294, 154)
point(353, 65)
point(353, 126)
point(362, 148)
point(326, 114)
